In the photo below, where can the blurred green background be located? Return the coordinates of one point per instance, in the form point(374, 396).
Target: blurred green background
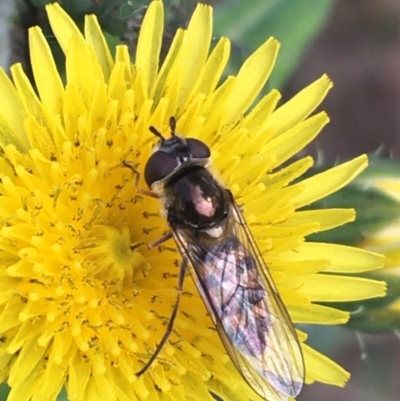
point(357, 43)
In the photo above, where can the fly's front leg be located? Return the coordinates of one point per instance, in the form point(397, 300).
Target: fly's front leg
point(152, 194)
point(142, 191)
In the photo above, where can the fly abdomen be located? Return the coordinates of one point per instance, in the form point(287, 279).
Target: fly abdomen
point(254, 295)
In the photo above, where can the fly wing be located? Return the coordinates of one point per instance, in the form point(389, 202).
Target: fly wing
point(248, 313)
point(281, 361)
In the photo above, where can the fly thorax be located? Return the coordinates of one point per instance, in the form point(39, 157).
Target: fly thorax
point(195, 199)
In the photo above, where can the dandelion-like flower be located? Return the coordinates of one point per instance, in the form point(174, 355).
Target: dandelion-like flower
point(380, 229)
point(83, 303)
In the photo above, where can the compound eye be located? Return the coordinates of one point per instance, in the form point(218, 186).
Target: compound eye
point(158, 167)
point(198, 149)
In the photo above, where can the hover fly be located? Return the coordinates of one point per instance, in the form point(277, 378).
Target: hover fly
point(220, 252)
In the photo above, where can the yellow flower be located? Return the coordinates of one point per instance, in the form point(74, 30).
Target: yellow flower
point(382, 176)
point(381, 223)
point(83, 309)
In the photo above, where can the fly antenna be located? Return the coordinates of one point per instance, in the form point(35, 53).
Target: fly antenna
point(156, 132)
point(172, 125)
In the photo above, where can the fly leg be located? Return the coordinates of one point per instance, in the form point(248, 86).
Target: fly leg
point(153, 244)
point(142, 191)
point(145, 192)
point(181, 278)
point(171, 321)
point(160, 240)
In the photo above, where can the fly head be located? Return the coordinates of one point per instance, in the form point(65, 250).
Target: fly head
point(171, 154)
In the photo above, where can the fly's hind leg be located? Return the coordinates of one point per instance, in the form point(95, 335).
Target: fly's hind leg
point(171, 321)
point(160, 240)
point(153, 244)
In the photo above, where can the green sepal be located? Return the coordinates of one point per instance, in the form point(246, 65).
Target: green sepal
point(62, 396)
point(4, 391)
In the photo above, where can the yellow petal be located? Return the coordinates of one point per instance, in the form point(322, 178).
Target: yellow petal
point(24, 390)
point(291, 142)
point(79, 374)
point(95, 37)
point(8, 137)
point(116, 85)
point(317, 314)
point(321, 368)
point(73, 109)
point(86, 79)
point(327, 218)
point(329, 181)
point(197, 44)
point(30, 355)
point(260, 113)
point(47, 78)
point(303, 267)
point(344, 259)
point(250, 80)
point(284, 176)
point(211, 108)
point(299, 107)
point(11, 106)
point(166, 79)
point(51, 382)
point(333, 288)
point(39, 136)
point(26, 93)
point(63, 26)
point(149, 43)
point(212, 71)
